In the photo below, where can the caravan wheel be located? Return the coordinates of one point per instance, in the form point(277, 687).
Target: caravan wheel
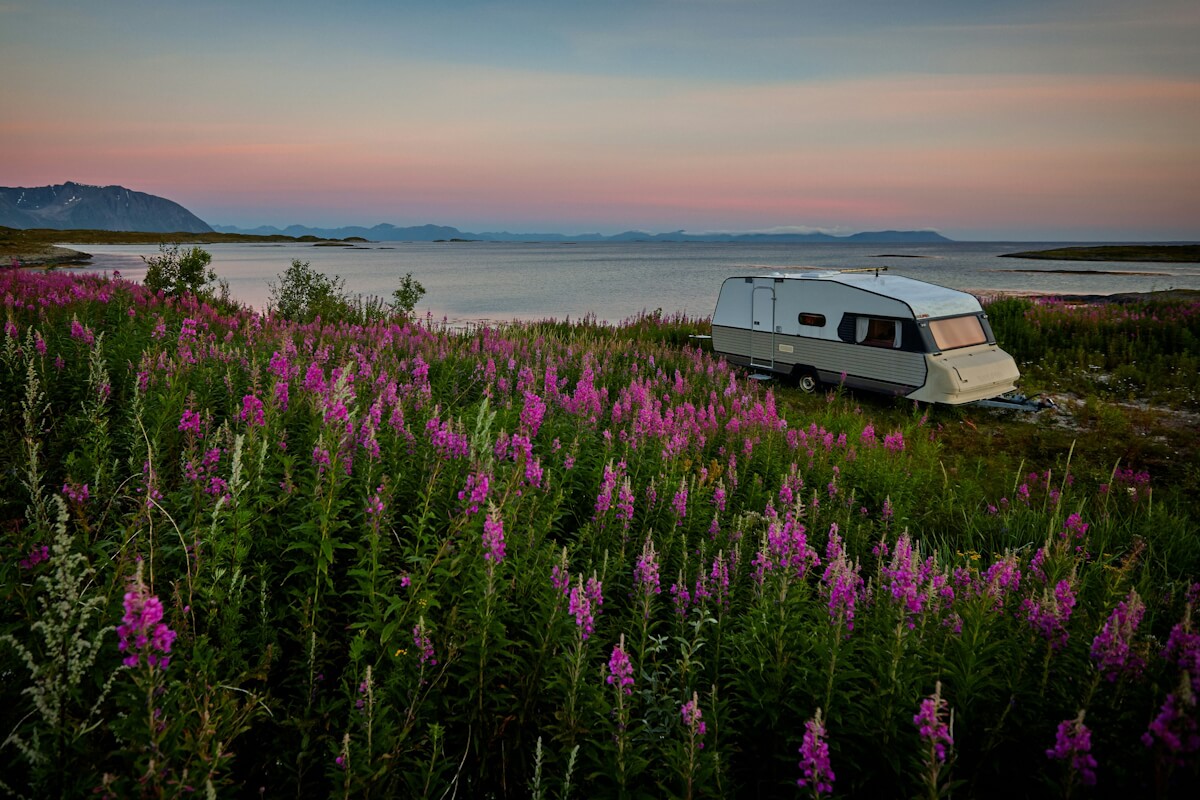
point(807, 381)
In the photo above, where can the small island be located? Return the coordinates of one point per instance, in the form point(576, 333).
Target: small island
point(36, 247)
point(1160, 253)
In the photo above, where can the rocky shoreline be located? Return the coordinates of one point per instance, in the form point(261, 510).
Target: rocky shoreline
point(47, 257)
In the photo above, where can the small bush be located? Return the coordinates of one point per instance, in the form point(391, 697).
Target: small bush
point(303, 294)
point(178, 273)
point(408, 295)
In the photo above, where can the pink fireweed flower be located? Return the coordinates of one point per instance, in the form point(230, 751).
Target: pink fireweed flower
point(718, 580)
point(78, 331)
point(76, 492)
point(142, 632)
point(252, 411)
point(449, 442)
point(625, 502)
point(868, 436)
point(1002, 578)
point(36, 556)
point(190, 421)
point(894, 442)
point(423, 644)
point(841, 582)
point(1050, 614)
point(1183, 644)
point(532, 414)
point(1074, 527)
point(1073, 744)
point(580, 607)
point(932, 726)
point(493, 537)
point(594, 594)
point(1111, 649)
point(680, 596)
point(278, 365)
point(1175, 727)
point(375, 503)
point(645, 573)
point(314, 379)
point(693, 719)
point(560, 578)
point(281, 395)
point(679, 503)
point(910, 582)
point(620, 669)
point(1037, 565)
point(787, 546)
point(321, 459)
point(476, 491)
point(718, 497)
point(814, 758)
point(607, 484)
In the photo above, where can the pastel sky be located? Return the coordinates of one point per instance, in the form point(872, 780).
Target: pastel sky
point(1010, 119)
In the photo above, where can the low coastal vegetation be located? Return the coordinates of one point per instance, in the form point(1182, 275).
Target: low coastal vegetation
point(305, 557)
point(1173, 253)
point(1137, 348)
point(36, 246)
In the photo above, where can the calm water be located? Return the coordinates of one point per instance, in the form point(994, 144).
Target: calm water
point(613, 281)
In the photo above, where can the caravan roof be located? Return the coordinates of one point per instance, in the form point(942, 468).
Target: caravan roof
point(925, 299)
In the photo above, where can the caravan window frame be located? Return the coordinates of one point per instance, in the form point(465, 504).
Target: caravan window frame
point(811, 319)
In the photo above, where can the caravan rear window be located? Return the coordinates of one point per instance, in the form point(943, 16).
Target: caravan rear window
point(957, 332)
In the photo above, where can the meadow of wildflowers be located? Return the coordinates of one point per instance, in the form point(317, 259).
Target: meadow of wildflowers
point(1144, 349)
point(253, 557)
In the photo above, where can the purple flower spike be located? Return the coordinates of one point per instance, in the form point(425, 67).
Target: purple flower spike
point(493, 537)
point(693, 719)
point(1073, 744)
point(931, 724)
point(142, 632)
point(1112, 648)
point(620, 669)
point(814, 758)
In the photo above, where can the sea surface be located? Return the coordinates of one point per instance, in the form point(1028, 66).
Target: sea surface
point(613, 281)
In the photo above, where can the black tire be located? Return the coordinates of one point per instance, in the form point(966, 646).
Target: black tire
point(807, 381)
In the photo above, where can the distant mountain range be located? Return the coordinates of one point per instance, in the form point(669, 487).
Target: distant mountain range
point(77, 206)
point(434, 233)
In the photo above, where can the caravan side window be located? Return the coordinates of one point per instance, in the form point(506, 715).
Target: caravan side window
point(816, 320)
point(877, 332)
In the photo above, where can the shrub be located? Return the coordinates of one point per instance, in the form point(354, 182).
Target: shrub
point(303, 294)
point(177, 273)
point(408, 295)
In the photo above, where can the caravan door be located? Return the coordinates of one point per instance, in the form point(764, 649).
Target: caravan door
point(762, 335)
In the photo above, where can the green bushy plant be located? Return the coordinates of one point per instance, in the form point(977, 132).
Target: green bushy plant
point(176, 273)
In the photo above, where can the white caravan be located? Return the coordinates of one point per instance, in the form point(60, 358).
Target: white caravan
point(867, 330)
